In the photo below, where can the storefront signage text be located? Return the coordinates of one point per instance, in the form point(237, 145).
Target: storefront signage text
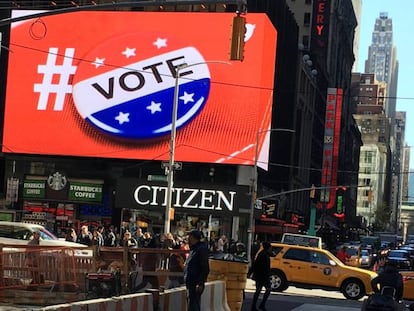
point(331, 146)
point(79, 190)
point(85, 192)
point(34, 189)
point(322, 10)
point(192, 198)
point(320, 32)
point(326, 180)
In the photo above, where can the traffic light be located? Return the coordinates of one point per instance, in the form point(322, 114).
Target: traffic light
point(237, 38)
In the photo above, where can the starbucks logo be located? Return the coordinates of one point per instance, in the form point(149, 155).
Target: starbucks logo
point(57, 181)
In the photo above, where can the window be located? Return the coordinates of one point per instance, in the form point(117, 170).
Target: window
point(367, 170)
point(306, 19)
point(276, 250)
point(12, 232)
point(305, 41)
point(319, 258)
point(297, 254)
point(369, 157)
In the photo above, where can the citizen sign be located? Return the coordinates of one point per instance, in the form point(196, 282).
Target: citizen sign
point(205, 199)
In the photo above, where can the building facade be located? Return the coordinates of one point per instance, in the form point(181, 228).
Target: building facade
point(382, 60)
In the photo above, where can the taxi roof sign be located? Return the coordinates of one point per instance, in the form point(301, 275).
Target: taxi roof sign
point(301, 239)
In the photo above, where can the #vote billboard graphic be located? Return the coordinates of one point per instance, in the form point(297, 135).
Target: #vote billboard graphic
point(104, 84)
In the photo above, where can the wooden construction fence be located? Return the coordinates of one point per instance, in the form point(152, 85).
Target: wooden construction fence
point(59, 269)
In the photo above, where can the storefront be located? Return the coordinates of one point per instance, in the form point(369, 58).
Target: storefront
point(214, 209)
point(59, 202)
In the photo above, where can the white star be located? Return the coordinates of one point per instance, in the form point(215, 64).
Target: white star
point(160, 43)
point(98, 62)
point(187, 97)
point(154, 107)
point(122, 117)
point(129, 52)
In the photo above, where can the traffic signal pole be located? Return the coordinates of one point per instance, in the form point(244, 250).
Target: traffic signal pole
point(312, 215)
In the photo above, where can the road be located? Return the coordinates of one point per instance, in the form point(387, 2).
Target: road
point(296, 299)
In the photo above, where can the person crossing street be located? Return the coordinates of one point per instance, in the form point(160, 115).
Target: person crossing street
point(260, 271)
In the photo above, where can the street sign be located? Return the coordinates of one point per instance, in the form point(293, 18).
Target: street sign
point(157, 178)
point(177, 166)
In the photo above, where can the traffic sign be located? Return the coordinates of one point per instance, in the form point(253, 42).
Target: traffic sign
point(157, 178)
point(177, 166)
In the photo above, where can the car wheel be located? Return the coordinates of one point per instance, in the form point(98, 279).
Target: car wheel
point(278, 281)
point(353, 289)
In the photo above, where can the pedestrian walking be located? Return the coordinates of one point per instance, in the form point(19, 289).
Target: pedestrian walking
point(260, 273)
point(33, 259)
point(196, 270)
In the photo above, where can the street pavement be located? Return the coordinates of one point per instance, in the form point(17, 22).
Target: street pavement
point(295, 303)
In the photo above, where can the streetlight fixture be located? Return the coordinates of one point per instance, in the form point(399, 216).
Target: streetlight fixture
point(254, 188)
point(171, 161)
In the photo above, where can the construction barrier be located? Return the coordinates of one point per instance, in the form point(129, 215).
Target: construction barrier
point(173, 299)
point(214, 297)
point(36, 275)
point(234, 274)
point(85, 262)
point(132, 302)
point(37, 267)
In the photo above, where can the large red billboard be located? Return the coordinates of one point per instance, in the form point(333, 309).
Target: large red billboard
point(102, 84)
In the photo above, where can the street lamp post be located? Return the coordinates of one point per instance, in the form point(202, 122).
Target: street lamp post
point(171, 161)
point(254, 188)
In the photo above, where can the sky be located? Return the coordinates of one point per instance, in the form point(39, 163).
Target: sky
point(401, 13)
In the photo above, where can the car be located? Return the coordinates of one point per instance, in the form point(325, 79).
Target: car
point(401, 258)
point(366, 258)
point(316, 268)
point(355, 258)
point(20, 233)
point(410, 250)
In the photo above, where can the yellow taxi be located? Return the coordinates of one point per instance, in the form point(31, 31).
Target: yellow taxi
point(314, 267)
point(408, 279)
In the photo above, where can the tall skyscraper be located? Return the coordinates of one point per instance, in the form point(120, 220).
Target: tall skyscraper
point(382, 61)
point(357, 4)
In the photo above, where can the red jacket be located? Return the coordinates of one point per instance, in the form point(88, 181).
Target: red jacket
point(342, 255)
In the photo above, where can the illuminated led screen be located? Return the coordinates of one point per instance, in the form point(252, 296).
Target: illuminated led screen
point(104, 84)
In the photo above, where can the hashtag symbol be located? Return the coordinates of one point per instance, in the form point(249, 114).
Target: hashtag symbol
point(48, 85)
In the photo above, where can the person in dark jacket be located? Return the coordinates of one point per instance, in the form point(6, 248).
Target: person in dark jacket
point(390, 276)
point(196, 270)
point(260, 270)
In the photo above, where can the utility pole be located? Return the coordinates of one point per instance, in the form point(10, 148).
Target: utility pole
point(312, 218)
